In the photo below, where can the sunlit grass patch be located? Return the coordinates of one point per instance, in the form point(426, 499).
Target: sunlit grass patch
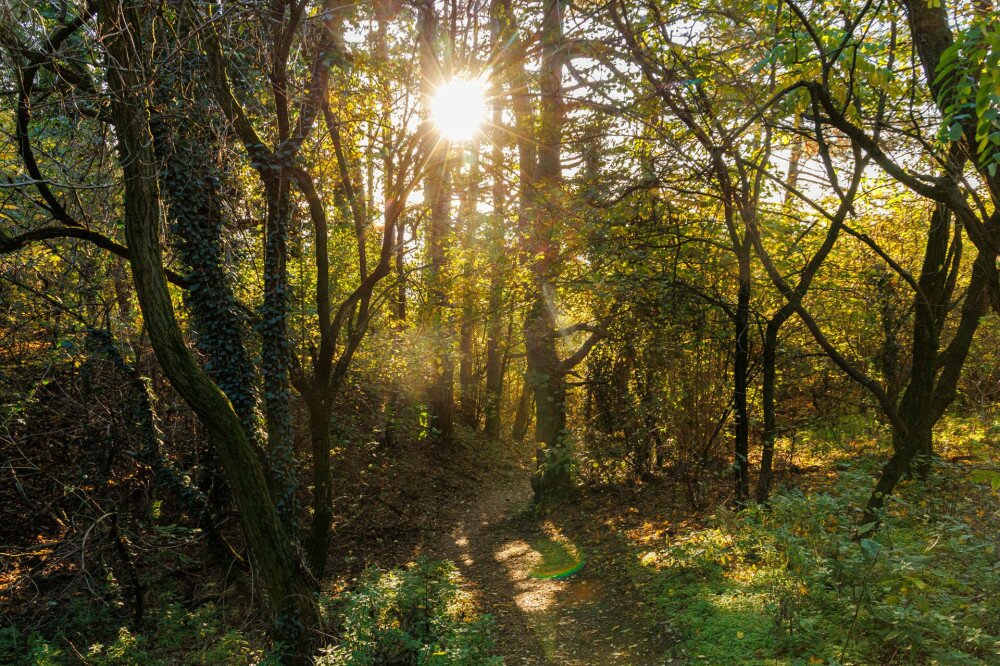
point(728, 627)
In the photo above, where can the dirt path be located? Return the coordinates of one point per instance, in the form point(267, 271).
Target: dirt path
point(591, 618)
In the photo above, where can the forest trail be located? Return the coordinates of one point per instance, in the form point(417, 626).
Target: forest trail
point(593, 617)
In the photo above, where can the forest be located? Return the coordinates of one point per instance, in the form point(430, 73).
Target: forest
point(428, 332)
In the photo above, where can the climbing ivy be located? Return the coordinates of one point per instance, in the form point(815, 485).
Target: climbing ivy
point(194, 182)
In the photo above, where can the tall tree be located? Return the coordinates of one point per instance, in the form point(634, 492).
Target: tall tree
point(437, 192)
point(284, 582)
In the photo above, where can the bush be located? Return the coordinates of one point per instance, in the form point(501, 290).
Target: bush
point(417, 615)
point(175, 635)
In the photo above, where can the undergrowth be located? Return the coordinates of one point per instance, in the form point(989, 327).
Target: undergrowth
point(174, 635)
point(414, 616)
point(792, 583)
point(418, 615)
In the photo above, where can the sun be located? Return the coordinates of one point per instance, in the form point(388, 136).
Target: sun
point(458, 108)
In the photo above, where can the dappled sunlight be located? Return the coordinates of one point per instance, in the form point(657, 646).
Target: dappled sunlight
point(531, 595)
point(465, 332)
point(534, 597)
point(559, 558)
point(462, 542)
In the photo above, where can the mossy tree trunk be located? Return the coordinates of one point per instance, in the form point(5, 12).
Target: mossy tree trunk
point(287, 592)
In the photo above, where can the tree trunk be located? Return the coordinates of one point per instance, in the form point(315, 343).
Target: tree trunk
point(545, 372)
point(190, 177)
point(769, 361)
point(468, 405)
point(494, 363)
point(522, 417)
point(552, 470)
point(741, 367)
point(275, 351)
point(905, 448)
point(441, 392)
point(287, 593)
point(468, 394)
point(493, 399)
point(934, 376)
point(318, 540)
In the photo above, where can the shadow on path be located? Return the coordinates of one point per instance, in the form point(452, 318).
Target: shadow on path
point(592, 618)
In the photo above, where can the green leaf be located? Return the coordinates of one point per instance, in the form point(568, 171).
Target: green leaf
point(870, 547)
point(989, 476)
point(867, 527)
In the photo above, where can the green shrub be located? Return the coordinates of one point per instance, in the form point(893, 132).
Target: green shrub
point(173, 635)
point(417, 615)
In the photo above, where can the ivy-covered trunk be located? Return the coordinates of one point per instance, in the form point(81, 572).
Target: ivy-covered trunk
point(192, 183)
point(287, 593)
point(276, 351)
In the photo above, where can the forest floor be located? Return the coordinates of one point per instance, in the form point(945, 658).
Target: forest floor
point(516, 560)
point(649, 581)
point(623, 574)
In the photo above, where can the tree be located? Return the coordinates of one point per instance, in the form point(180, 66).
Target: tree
point(285, 584)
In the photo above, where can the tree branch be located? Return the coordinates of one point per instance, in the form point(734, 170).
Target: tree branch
point(9, 244)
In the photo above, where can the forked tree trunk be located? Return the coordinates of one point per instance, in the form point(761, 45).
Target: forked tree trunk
point(934, 375)
point(287, 593)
